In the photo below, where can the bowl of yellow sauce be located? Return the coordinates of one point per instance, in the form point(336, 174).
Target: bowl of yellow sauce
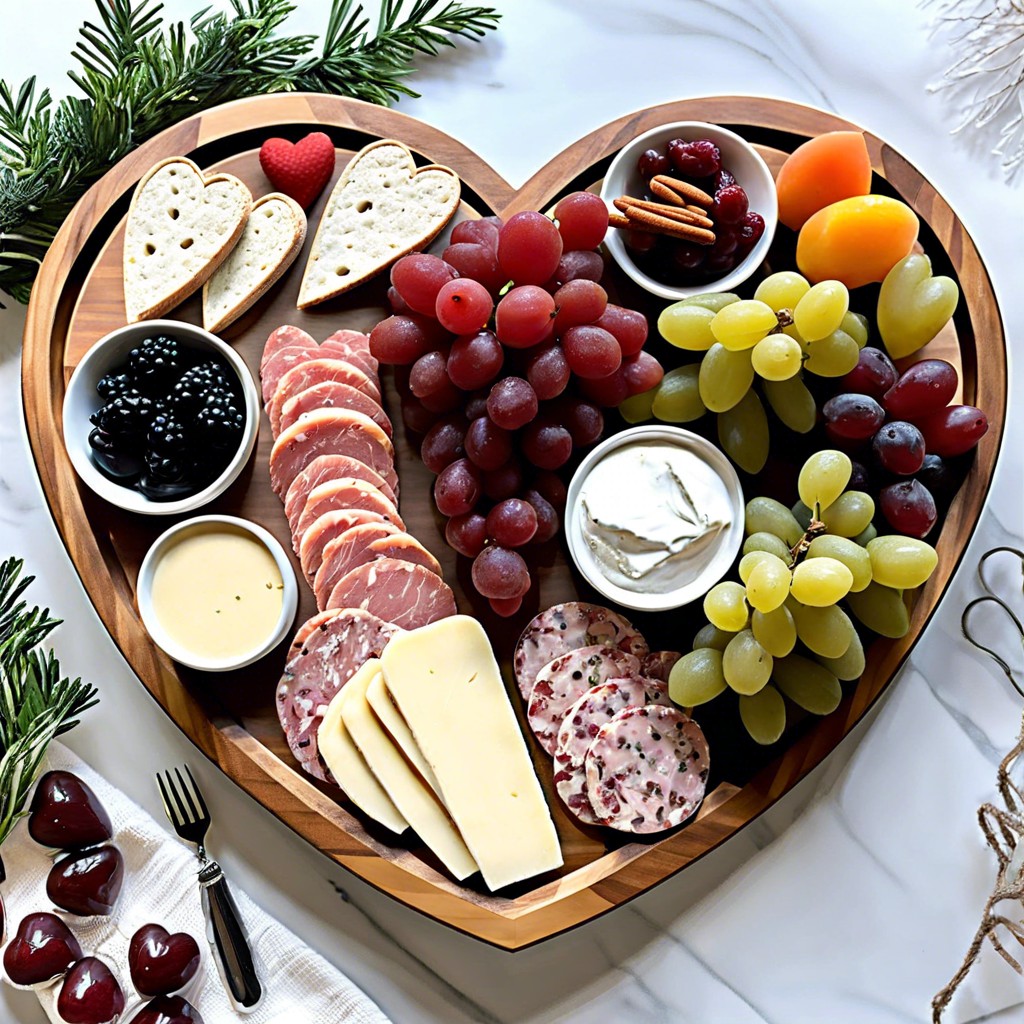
point(217, 593)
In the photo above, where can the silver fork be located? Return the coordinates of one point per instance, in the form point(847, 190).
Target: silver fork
point(187, 812)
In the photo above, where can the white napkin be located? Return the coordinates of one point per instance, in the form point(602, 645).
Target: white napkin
point(160, 887)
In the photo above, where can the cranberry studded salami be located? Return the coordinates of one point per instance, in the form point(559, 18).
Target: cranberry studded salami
point(647, 769)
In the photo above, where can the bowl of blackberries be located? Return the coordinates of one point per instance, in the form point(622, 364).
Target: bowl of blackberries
point(160, 417)
point(693, 208)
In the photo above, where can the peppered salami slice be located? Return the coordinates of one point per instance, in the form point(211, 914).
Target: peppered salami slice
point(647, 769)
point(566, 627)
point(562, 682)
point(329, 655)
point(658, 664)
point(571, 783)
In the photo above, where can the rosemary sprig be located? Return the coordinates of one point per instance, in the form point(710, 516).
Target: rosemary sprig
point(36, 702)
point(137, 76)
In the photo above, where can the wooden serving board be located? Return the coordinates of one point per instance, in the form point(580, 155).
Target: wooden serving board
point(232, 718)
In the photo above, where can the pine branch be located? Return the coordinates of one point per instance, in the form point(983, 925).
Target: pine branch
point(137, 76)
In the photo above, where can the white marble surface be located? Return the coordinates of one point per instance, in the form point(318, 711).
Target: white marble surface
point(854, 898)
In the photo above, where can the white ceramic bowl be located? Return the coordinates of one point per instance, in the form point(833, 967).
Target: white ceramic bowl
point(81, 401)
point(726, 546)
point(750, 171)
point(166, 643)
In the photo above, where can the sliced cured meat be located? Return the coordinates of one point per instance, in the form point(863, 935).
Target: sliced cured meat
point(344, 553)
point(405, 548)
point(329, 655)
point(330, 432)
point(353, 347)
point(658, 664)
point(306, 630)
point(280, 363)
point(315, 371)
point(354, 341)
point(346, 493)
point(408, 594)
point(647, 769)
point(562, 682)
point(330, 467)
point(332, 394)
point(284, 337)
point(565, 627)
point(571, 784)
point(322, 531)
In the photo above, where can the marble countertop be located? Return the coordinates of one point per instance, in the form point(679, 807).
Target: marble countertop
point(853, 898)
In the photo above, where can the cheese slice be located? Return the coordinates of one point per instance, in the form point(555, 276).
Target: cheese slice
point(348, 766)
point(409, 794)
point(397, 728)
point(448, 687)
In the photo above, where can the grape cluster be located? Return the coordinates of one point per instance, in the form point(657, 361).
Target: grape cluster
point(793, 576)
point(903, 427)
point(508, 349)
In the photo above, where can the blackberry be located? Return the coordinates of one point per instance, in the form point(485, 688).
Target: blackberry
point(190, 392)
point(220, 423)
point(113, 384)
point(167, 468)
point(166, 436)
point(126, 417)
point(156, 363)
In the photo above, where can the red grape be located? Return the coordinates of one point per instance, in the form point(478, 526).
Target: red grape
point(642, 372)
point(697, 159)
point(512, 523)
point(488, 446)
point(477, 405)
point(397, 303)
point(529, 248)
point(503, 482)
point(730, 205)
point(899, 447)
point(552, 488)
point(627, 326)
point(429, 374)
point(463, 306)
point(445, 399)
point(579, 302)
point(506, 607)
point(478, 263)
point(400, 339)
point(524, 316)
point(512, 403)
point(873, 375)
point(548, 371)
point(478, 232)
point(582, 220)
point(853, 417)
point(926, 388)
point(584, 421)
point(547, 445)
point(954, 430)
point(607, 391)
point(592, 352)
point(415, 417)
point(466, 534)
point(547, 517)
point(652, 162)
point(501, 573)
point(577, 265)
point(475, 360)
point(909, 507)
point(418, 278)
point(457, 488)
point(751, 230)
point(444, 443)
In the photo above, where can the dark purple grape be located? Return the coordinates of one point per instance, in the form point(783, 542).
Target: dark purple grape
point(908, 507)
point(899, 448)
point(859, 479)
point(853, 417)
point(939, 477)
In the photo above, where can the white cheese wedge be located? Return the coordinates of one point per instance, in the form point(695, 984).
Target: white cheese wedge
point(409, 794)
point(350, 769)
point(397, 728)
point(448, 687)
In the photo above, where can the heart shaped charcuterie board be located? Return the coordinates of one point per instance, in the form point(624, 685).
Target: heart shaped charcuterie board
point(232, 718)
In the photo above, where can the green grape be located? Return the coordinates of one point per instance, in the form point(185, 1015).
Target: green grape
point(792, 403)
point(746, 664)
point(849, 665)
point(807, 684)
point(713, 637)
point(901, 562)
point(725, 606)
point(856, 326)
point(725, 377)
point(677, 397)
point(687, 326)
point(763, 715)
point(850, 514)
point(775, 631)
point(802, 514)
point(638, 408)
point(826, 631)
point(770, 516)
point(743, 433)
point(711, 300)
point(881, 609)
point(768, 583)
point(777, 357)
point(782, 290)
point(913, 306)
point(851, 554)
point(748, 561)
point(824, 477)
point(821, 310)
point(820, 582)
point(696, 678)
point(741, 325)
point(767, 542)
point(869, 533)
point(833, 356)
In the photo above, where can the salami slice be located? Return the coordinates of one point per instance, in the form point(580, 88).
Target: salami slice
point(315, 371)
point(658, 664)
point(344, 553)
point(571, 783)
point(409, 595)
point(280, 363)
point(346, 493)
point(326, 660)
point(647, 769)
point(330, 467)
point(284, 337)
point(332, 394)
point(562, 682)
point(564, 628)
point(306, 630)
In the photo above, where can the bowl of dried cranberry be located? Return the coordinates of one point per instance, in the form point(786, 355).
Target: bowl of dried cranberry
point(694, 206)
point(160, 417)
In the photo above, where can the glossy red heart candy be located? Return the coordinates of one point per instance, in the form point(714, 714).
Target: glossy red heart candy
point(167, 1010)
point(87, 882)
point(161, 963)
point(42, 949)
point(67, 814)
point(90, 994)
point(300, 169)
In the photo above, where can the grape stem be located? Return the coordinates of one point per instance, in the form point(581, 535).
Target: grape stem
point(785, 319)
point(799, 550)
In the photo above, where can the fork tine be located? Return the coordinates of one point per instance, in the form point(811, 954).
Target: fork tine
point(165, 797)
point(183, 818)
point(198, 792)
point(187, 794)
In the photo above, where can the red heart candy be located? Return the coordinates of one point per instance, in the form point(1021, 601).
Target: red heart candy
point(160, 963)
point(299, 169)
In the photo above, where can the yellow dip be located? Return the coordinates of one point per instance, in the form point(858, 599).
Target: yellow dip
point(218, 593)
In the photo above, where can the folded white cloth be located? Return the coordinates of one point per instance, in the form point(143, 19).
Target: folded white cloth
point(160, 887)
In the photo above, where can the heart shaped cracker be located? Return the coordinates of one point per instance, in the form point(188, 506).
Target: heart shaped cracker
point(181, 226)
point(271, 239)
point(382, 208)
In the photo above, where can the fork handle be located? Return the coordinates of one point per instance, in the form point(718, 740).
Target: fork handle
point(227, 934)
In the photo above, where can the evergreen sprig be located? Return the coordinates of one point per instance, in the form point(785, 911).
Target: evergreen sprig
point(137, 76)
